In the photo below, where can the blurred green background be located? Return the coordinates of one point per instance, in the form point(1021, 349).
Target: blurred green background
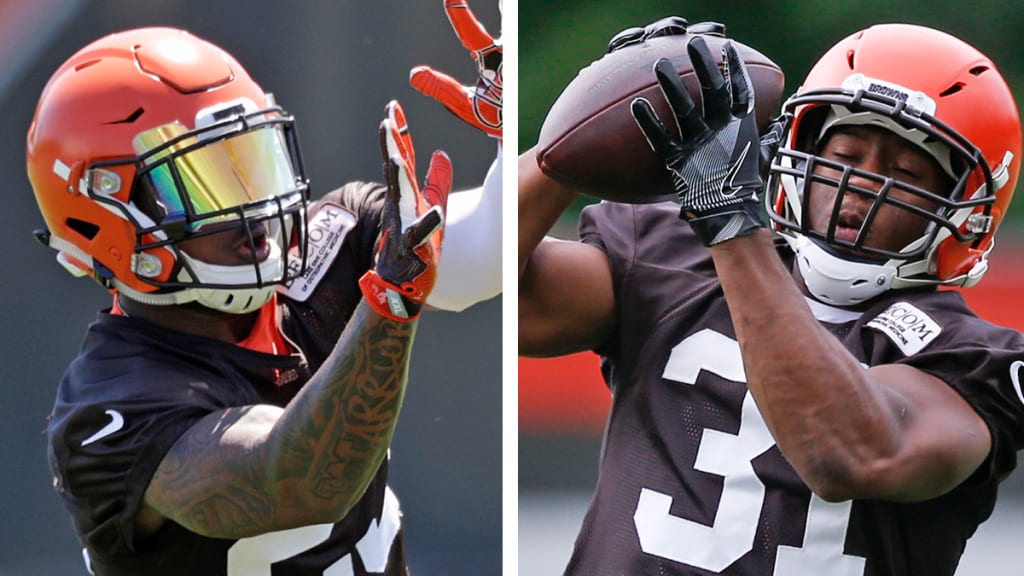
point(557, 39)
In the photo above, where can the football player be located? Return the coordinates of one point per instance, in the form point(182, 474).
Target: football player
point(232, 411)
point(792, 393)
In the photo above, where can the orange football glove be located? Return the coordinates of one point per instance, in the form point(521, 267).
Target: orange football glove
point(412, 225)
point(478, 105)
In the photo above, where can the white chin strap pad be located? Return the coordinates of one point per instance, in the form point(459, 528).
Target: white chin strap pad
point(835, 281)
point(229, 300)
point(235, 300)
point(238, 301)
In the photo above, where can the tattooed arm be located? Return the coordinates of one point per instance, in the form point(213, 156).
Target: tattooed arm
point(255, 469)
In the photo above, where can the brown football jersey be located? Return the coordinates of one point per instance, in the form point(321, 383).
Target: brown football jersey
point(691, 481)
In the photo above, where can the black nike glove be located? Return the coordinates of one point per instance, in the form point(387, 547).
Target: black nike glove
point(770, 141)
point(714, 164)
point(668, 26)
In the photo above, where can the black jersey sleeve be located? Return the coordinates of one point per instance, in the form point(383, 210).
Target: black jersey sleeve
point(112, 423)
point(655, 259)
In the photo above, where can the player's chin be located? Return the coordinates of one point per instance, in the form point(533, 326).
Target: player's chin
point(847, 252)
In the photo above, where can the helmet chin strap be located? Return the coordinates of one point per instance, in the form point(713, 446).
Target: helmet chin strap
point(228, 300)
point(835, 281)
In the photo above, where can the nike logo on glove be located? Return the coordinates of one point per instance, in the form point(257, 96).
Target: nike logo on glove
point(730, 176)
point(116, 423)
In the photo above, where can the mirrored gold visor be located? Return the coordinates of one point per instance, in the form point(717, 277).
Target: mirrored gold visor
point(197, 178)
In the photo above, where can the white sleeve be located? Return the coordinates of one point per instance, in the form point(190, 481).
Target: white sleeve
point(470, 269)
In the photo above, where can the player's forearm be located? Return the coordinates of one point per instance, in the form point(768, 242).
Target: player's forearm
point(333, 436)
point(827, 415)
point(255, 469)
point(541, 202)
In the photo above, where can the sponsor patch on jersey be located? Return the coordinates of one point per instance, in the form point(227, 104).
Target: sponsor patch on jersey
point(907, 326)
point(327, 231)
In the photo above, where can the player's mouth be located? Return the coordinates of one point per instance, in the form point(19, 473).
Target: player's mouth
point(848, 227)
point(255, 250)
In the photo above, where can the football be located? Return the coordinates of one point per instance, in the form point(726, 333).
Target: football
point(589, 140)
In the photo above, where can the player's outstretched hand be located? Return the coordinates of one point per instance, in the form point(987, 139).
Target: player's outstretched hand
point(412, 224)
point(668, 26)
point(714, 160)
point(478, 105)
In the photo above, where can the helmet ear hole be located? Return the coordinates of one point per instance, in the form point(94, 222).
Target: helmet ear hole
point(87, 230)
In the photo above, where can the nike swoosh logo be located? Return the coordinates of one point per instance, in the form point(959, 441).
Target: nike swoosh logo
point(115, 424)
point(734, 171)
point(1015, 373)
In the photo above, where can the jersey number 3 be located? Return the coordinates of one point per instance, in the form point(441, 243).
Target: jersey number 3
point(730, 456)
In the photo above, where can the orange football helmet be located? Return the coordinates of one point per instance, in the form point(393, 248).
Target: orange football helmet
point(150, 137)
point(941, 94)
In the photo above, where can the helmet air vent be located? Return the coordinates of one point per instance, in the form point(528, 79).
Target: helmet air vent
point(87, 64)
point(130, 118)
point(952, 89)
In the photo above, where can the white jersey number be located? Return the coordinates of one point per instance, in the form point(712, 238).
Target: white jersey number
point(730, 456)
point(254, 556)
